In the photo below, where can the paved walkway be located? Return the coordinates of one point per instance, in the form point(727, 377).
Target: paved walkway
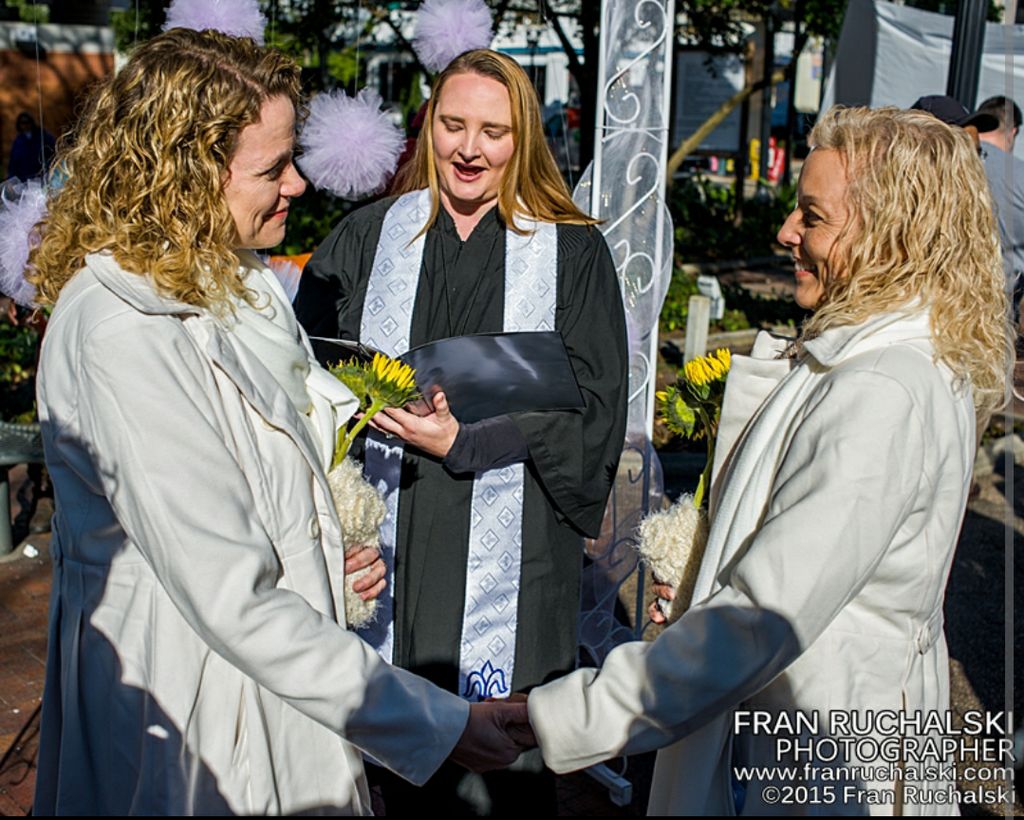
point(24, 599)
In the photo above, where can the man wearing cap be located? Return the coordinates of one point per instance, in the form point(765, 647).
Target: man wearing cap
point(994, 127)
point(1005, 174)
point(952, 112)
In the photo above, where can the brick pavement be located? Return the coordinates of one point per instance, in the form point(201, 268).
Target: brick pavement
point(24, 599)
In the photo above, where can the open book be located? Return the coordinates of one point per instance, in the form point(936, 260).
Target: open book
point(482, 375)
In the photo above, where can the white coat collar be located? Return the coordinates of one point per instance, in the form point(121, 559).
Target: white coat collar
point(256, 384)
point(911, 325)
point(134, 288)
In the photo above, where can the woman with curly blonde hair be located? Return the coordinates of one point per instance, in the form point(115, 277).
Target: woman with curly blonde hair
point(811, 672)
point(145, 173)
point(198, 658)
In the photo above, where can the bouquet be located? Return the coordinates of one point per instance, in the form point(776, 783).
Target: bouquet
point(672, 542)
point(384, 382)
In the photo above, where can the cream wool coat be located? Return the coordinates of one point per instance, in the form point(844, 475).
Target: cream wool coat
point(196, 661)
point(822, 586)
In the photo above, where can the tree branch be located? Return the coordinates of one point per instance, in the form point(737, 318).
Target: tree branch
point(575, 66)
point(404, 42)
point(691, 143)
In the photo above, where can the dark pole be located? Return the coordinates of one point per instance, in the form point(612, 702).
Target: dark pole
point(741, 161)
point(590, 19)
point(965, 61)
point(766, 96)
point(787, 171)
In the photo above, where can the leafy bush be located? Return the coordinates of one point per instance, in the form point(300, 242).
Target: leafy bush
point(310, 218)
point(677, 301)
point(732, 320)
point(705, 217)
point(744, 309)
point(18, 345)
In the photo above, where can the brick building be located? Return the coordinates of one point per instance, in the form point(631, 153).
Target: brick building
point(54, 62)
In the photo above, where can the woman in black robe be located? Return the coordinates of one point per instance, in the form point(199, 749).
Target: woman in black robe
point(482, 156)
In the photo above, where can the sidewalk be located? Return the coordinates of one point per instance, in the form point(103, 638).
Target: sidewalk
point(24, 601)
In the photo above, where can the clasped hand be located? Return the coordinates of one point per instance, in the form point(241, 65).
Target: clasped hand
point(495, 735)
point(664, 592)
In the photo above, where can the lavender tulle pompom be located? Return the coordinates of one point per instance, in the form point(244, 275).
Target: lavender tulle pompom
point(239, 18)
point(447, 28)
point(350, 147)
point(20, 213)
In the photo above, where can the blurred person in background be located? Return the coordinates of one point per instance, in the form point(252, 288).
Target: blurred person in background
point(1005, 174)
point(32, 150)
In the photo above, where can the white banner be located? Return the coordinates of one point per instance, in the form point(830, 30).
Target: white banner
point(699, 92)
point(891, 55)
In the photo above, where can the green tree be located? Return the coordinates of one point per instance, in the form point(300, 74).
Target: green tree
point(29, 12)
point(325, 36)
point(717, 26)
point(714, 26)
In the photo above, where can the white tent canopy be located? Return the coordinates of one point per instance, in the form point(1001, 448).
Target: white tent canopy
point(891, 55)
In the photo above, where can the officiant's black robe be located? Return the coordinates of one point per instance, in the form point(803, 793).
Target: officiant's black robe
point(572, 454)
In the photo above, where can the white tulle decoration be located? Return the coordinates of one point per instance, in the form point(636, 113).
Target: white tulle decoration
point(288, 274)
point(350, 147)
point(447, 28)
point(21, 210)
point(239, 18)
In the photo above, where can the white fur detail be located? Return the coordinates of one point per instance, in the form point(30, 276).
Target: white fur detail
point(672, 544)
point(361, 511)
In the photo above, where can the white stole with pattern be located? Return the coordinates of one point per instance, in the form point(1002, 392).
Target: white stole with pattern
point(488, 642)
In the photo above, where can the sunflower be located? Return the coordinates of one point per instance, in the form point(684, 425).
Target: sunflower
point(353, 376)
point(390, 381)
point(691, 407)
point(704, 370)
point(384, 382)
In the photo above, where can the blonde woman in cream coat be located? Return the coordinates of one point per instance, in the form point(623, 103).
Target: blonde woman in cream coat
point(836, 513)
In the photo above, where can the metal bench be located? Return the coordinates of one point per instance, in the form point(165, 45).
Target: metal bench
point(19, 444)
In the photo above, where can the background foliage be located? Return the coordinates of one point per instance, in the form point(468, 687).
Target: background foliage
point(18, 344)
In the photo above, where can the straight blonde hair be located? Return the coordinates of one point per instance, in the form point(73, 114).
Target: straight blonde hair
point(531, 184)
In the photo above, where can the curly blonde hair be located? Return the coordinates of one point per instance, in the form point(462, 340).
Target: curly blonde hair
point(921, 229)
point(531, 183)
point(145, 167)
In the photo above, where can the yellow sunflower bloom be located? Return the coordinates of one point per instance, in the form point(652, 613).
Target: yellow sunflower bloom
point(707, 369)
point(391, 382)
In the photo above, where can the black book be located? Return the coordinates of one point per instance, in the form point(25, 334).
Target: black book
point(482, 375)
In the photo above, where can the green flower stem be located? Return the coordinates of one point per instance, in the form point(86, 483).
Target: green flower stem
point(344, 441)
point(705, 476)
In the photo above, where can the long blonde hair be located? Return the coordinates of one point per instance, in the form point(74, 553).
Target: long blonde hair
point(146, 164)
point(531, 184)
point(921, 229)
